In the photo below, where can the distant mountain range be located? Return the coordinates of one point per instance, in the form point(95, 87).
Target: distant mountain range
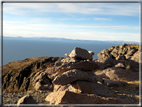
point(77, 40)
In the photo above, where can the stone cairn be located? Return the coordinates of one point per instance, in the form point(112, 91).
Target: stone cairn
point(75, 82)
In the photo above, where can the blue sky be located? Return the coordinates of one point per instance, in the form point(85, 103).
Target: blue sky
point(85, 21)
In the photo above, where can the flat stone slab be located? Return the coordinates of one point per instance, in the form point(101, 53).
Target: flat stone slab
point(67, 97)
point(74, 75)
point(82, 65)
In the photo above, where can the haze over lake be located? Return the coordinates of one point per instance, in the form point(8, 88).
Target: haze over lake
point(20, 48)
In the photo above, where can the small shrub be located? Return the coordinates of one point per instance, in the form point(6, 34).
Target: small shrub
point(128, 67)
point(127, 64)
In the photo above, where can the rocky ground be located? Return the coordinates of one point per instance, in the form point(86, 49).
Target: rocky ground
point(129, 92)
point(115, 74)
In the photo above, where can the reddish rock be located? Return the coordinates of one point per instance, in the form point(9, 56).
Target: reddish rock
point(73, 75)
point(92, 88)
point(118, 73)
point(82, 65)
point(67, 97)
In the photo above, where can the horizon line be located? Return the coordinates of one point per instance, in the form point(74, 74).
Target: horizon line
point(71, 39)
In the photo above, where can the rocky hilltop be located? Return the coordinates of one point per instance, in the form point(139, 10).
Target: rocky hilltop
point(17, 76)
point(78, 78)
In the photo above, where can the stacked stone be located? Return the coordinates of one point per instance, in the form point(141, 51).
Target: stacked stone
point(75, 74)
point(73, 81)
point(120, 52)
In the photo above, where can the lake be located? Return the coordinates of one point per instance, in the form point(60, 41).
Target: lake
point(20, 48)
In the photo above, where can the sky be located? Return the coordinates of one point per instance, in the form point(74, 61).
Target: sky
point(84, 21)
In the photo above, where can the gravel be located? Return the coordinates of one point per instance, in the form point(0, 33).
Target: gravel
point(12, 98)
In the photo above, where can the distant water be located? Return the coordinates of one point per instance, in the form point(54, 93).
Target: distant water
point(19, 49)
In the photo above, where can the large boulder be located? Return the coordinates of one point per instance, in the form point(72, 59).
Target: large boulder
point(79, 53)
point(91, 88)
point(73, 75)
point(67, 97)
point(114, 73)
point(82, 65)
point(27, 99)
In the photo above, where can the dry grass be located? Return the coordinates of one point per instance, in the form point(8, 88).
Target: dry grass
point(129, 92)
point(127, 67)
point(134, 46)
point(11, 90)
